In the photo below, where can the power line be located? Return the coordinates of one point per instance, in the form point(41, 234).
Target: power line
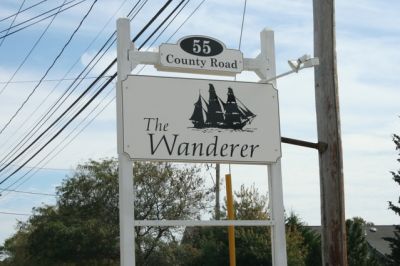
point(37, 169)
point(89, 114)
point(43, 168)
point(159, 35)
point(12, 22)
point(48, 80)
point(36, 22)
point(31, 50)
point(161, 24)
point(48, 69)
point(59, 131)
point(14, 213)
point(183, 23)
point(73, 138)
point(27, 192)
point(47, 113)
point(54, 108)
point(90, 100)
point(180, 26)
point(241, 28)
point(23, 10)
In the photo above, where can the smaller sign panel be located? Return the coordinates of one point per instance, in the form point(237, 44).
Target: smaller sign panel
point(196, 120)
point(200, 54)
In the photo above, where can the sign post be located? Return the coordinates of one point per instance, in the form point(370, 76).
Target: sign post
point(126, 192)
point(193, 120)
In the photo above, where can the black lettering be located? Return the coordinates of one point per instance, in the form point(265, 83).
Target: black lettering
point(148, 122)
point(195, 146)
point(252, 149)
point(234, 64)
point(223, 148)
point(243, 149)
point(233, 147)
point(213, 62)
point(185, 146)
point(214, 147)
point(170, 150)
point(168, 58)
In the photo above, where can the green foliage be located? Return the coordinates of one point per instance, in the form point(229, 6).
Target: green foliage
point(209, 246)
point(359, 253)
point(395, 241)
point(83, 227)
point(357, 246)
point(311, 240)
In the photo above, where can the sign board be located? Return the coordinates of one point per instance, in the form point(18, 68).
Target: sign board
point(197, 120)
point(200, 54)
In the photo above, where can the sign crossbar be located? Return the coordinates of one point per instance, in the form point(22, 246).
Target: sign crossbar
point(203, 223)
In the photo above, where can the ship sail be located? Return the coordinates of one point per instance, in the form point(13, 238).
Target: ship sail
point(215, 116)
point(197, 116)
point(232, 114)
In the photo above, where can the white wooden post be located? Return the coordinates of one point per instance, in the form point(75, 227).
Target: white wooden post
point(279, 257)
point(126, 191)
point(278, 238)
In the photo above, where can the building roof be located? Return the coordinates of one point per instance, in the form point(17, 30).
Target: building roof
point(374, 235)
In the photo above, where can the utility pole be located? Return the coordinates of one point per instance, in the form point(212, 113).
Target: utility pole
point(333, 232)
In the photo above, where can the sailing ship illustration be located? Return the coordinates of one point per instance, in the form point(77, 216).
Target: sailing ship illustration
point(232, 114)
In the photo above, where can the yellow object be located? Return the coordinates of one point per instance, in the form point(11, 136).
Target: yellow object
point(231, 216)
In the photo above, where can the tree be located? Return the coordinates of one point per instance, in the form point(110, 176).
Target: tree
point(83, 227)
point(209, 246)
point(395, 241)
point(311, 239)
point(359, 252)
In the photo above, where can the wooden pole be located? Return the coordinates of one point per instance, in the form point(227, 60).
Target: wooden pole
point(328, 124)
point(231, 216)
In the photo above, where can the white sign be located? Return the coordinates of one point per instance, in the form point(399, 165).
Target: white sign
point(200, 54)
point(195, 120)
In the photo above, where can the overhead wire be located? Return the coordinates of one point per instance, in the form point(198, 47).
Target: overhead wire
point(49, 68)
point(241, 28)
point(160, 24)
point(38, 21)
point(27, 192)
point(30, 51)
point(240, 44)
point(45, 160)
point(33, 147)
point(12, 22)
point(47, 115)
point(74, 103)
point(46, 80)
point(184, 22)
point(23, 10)
point(93, 109)
point(49, 112)
point(14, 213)
point(159, 35)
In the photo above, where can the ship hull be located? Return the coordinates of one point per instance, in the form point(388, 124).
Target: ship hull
point(220, 125)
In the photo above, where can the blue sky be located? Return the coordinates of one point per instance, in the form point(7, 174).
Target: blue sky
point(368, 37)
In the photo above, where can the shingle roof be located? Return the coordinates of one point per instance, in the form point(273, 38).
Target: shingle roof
point(374, 237)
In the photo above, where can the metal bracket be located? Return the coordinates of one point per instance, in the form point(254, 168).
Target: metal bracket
point(320, 146)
